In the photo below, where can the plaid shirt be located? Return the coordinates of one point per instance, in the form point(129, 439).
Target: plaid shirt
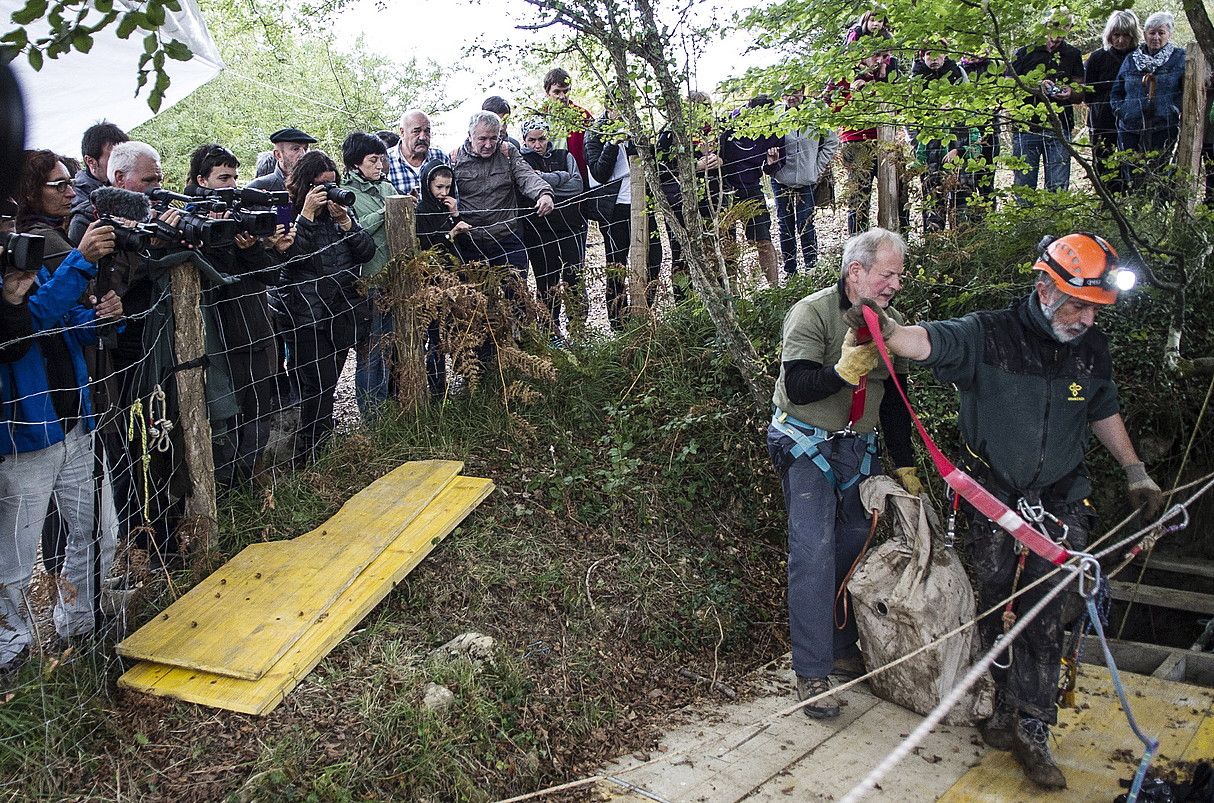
point(403, 176)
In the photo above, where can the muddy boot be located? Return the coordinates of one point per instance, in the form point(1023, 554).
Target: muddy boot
point(824, 708)
point(1031, 746)
point(998, 731)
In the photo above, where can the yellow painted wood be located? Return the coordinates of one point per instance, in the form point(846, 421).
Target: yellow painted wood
point(246, 615)
point(261, 696)
point(1094, 745)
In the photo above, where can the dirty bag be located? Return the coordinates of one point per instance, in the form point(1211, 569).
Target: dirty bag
point(909, 591)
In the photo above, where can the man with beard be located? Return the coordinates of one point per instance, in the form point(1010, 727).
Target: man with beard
point(1034, 380)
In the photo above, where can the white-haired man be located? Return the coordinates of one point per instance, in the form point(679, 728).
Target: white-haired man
point(829, 399)
point(406, 159)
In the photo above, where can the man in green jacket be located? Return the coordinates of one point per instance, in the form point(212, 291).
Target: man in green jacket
point(1034, 380)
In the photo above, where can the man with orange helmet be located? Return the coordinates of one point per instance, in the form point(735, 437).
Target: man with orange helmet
point(1034, 380)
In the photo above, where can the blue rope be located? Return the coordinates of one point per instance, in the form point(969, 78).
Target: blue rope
point(1152, 744)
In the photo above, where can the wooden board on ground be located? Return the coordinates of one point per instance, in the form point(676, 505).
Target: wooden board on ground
point(721, 756)
point(280, 588)
point(261, 696)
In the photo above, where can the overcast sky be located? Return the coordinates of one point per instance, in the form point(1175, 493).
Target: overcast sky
point(441, 29)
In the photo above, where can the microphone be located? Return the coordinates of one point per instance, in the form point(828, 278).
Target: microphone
point(109, 202)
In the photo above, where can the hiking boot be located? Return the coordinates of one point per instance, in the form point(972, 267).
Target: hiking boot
point(999, 730)
point(1031, 746)
point(825, 707)
point(848, 668)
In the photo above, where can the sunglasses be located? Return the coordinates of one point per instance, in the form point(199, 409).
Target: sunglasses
point(60, 184)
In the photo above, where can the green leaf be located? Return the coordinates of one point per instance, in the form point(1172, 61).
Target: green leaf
point(32, 11)
point(172, 5)
point(150, 43)
point(178, 51)
point(155, 13)
point(35, 57)
point(104, 6)
point(128, 24)
point(16, 38)
point(82, 41)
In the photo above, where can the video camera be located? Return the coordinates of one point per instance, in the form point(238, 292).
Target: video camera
point(195, 227)
point(21, 251)
point(250, 207)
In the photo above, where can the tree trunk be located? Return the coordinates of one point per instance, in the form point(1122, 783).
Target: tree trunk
point(198, 531)
point(887, 179)
point(409, 361)
point(638, 250)
point(1193, 126)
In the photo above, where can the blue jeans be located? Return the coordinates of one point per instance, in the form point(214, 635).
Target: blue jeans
point(371, 358)
point(1036, 148)
point(795, 211)
point(826, 531)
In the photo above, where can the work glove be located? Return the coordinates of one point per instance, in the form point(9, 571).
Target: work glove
point(854, 317)
point(855, 361)
point(909, 477)
point(1144, 493)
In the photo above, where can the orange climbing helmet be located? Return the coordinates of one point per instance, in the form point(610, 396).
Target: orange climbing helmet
point(1085, 266)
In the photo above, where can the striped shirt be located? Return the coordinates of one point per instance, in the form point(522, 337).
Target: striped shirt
point(404, 177)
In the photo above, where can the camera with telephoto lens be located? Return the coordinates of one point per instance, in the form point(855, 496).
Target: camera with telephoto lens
point(21, 251)
point(195, 226)
point(132, 238)
point(250, 207)
point(337, 194)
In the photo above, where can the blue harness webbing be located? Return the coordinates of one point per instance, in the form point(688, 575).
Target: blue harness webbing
point(809, 438)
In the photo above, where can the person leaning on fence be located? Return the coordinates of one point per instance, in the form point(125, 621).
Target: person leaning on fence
point(95, 146)
point(1061, 86)
point(941, 153)
point(829, 399)
point(319, 286)
point(366, 161)
point(799, 160)
point(49, 448)
point(607, 152)
point(553, 242)
point(1121, 35)
point(1034, 380)
point(244, 326)
point(493, 178)
point(1146, 99)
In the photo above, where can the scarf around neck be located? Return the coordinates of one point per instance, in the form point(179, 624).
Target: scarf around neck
point(1149, 64)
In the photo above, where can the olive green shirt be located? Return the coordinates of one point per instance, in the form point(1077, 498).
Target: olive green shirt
point(814, 330)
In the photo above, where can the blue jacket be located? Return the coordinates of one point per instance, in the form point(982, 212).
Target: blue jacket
point(29, 420)
point(1135, 114)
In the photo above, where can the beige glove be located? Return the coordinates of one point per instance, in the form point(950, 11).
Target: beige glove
point(854, 317)
point(855, 361)
point(1144, 492)
point(909, 477)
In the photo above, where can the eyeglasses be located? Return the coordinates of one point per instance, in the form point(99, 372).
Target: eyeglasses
point(59, 185)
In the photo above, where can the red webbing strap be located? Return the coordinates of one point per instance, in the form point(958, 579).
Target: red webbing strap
point(963, 484)
point(857, 401)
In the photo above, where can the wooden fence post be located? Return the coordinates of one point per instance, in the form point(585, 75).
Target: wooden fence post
point(409, 362)
point(1193, 125)
point(189, 338)
point(888, 216)
point(638, 250)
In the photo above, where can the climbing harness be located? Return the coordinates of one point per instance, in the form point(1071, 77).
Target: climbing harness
point(808, 440)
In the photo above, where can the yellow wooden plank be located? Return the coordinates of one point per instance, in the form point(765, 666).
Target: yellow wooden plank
point(245, 616)
point(1094, 745)
point(261, 696)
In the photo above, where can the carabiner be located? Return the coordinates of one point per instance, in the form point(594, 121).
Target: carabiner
point(995, 663)
point(1089, 575)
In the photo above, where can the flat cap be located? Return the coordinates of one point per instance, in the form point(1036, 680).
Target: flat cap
point(291, 135)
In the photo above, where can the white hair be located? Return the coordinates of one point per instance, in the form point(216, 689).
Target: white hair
point(126, 155)
point(411, 113)
point(863, 247)
point(484, 119)
point(1160, 19)
point(1124, 21)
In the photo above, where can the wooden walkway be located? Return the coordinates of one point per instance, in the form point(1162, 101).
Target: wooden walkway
point(719, 756)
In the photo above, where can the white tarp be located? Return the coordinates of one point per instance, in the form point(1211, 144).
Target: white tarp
point(74, 91)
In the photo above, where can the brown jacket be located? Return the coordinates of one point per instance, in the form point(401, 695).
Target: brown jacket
point(491, 190)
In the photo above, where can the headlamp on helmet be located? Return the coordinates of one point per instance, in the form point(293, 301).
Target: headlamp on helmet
point(1085, 266)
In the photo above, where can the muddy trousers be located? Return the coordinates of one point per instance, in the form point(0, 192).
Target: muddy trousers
point(1031, 682)
point(826, 531)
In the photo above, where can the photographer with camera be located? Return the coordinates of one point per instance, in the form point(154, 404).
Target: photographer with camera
point(319, 287)
point(47, 433)
point(245, 344)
